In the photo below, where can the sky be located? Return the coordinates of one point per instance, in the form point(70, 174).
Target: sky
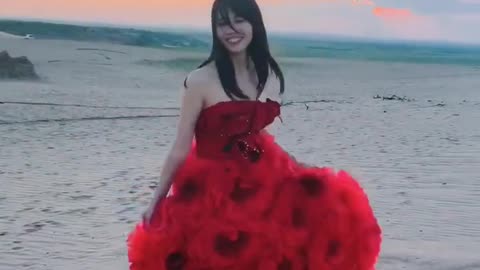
point(445, 20)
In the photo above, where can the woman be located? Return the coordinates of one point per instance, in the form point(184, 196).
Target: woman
point(238, 200)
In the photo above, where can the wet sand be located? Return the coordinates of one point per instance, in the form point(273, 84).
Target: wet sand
point(82, 149)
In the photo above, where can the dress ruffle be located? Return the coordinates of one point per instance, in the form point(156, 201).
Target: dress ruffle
point(274, 214)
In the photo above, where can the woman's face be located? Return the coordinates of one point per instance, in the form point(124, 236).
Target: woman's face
point(235, 40)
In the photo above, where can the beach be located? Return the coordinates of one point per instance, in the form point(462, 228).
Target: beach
point(81, 149)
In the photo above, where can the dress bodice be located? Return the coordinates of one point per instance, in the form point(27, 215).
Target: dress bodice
point(232, 128)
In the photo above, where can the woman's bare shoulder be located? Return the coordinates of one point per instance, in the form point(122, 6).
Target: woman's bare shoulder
point(201, 78)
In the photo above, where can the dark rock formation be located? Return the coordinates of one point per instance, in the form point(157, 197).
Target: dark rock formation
point(16, 67)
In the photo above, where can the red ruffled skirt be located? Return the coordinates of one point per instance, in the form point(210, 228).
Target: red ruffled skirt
point(275, 214)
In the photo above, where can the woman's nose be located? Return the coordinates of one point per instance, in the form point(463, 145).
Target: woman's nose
point(230, 29)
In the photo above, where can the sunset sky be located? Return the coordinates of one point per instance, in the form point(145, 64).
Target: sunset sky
point(452, 20)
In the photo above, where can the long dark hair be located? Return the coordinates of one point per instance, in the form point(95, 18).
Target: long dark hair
point(258, 49)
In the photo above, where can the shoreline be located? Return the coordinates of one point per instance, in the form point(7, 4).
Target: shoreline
point(284, 46)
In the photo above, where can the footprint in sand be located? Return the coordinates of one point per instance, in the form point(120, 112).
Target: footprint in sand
point(34, 227)
point(81, 197)
point(25, 209)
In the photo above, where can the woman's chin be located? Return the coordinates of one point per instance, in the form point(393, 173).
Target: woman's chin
point(236, 49)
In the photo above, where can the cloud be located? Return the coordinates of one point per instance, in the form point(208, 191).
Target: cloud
point(405, 24)
point(386, 13)
point(363, 2)
point(393, 13)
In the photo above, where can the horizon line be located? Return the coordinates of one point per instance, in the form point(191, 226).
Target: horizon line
point(207, 30)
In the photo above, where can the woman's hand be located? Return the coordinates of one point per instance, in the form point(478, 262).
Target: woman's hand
point(148, 215)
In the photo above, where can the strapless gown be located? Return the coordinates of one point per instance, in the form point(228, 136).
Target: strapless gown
point(241, 202)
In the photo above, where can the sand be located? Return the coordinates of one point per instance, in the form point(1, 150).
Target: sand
point(4, 35)
point(82, 148)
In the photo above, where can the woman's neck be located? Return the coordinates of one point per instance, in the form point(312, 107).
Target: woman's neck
point(241, 63)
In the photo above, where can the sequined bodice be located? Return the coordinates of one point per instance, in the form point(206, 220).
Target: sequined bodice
point(232, 129)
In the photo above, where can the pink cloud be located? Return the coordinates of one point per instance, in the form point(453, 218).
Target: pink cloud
point(393, 13)
point(363, 2)
point(404, 23)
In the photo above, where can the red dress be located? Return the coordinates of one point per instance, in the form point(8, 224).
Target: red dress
point(240, 202)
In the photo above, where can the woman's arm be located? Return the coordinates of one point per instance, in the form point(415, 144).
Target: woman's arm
point(191, 106)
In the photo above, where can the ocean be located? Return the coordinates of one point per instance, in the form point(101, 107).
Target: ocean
point(303, 46)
